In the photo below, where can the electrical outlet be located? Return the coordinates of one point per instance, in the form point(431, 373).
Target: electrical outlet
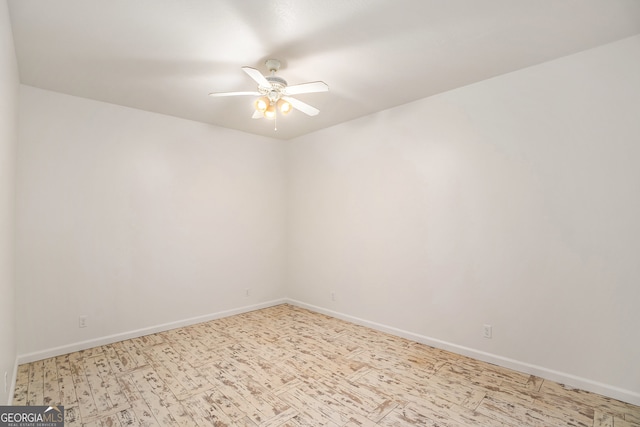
point(333, 296)
point(246, 292)
point(487, 331)
point(82, 322)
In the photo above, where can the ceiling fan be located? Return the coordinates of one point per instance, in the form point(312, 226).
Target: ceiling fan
point(274, 94)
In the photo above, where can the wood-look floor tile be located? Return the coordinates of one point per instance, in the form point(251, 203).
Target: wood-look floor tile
point(632, 414)
point(288, 367)
point(407, 416)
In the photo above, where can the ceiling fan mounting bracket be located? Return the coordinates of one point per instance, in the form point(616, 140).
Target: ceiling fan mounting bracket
point(273, 65)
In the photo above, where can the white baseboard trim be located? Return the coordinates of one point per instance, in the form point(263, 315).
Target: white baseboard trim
point(527, 368)
point(12, 388)
point(110, 339)
point(550, 374)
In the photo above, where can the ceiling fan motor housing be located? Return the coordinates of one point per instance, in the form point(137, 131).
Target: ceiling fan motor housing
point(274, 92)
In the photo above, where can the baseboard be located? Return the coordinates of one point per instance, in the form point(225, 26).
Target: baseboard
point(12, 388)
point(550, 374)
point(527, 368)
point(83, 345)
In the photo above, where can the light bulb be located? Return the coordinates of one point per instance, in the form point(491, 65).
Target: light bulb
point(262, 104)
point(270, 112)
point(284, 107)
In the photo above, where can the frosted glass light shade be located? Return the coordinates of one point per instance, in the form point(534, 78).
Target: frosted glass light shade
point(262, 104)
point(270, 112)
point(284, 107)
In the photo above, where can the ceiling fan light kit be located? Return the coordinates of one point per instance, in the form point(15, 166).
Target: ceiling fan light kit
point(274, 93)
point(262, 104)
point(284, 106)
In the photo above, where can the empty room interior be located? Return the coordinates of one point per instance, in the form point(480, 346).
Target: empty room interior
point(445, 229)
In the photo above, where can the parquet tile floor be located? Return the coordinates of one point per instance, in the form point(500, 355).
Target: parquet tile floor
point(285, 366)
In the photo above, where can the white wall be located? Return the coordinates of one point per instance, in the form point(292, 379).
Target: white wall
point(513, 202)
point(137, 220)
point(8, 142)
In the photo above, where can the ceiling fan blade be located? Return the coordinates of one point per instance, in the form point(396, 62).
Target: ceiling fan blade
point(310, 87)
point(257, 76)
point(217, 94)
point(257, 115)
point(302, 106)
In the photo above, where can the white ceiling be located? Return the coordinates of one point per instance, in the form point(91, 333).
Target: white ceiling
point(167, 55)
